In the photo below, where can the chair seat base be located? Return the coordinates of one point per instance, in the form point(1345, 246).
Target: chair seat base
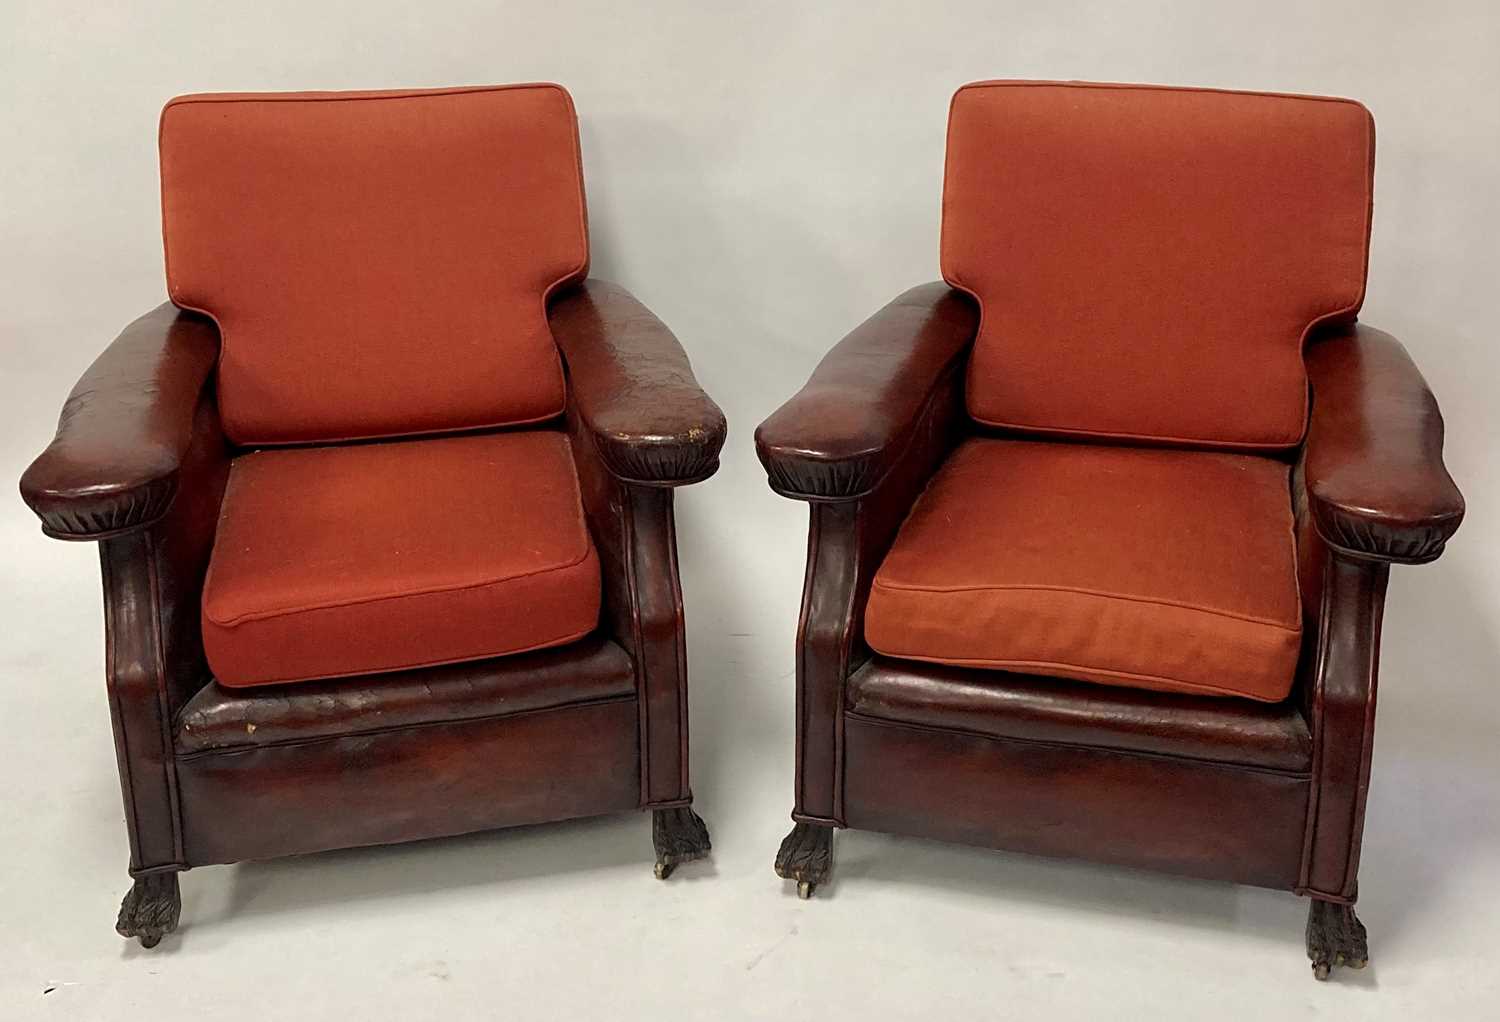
point(1335, 936)
point(1216, 821)
point(152, 907)
point(410, 783)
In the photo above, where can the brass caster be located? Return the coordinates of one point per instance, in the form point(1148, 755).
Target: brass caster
point(679, 836)
point(806, 857)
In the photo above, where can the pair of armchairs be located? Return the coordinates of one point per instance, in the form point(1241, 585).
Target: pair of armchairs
point(1100, 526)
point(384, 497)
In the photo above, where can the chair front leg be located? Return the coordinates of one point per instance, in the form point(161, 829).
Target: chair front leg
point(634, 529)
point(153, 580)
point(1343, 719)
point(829, 646)
point(141, 717)
point(847, 540)
point(660, 647)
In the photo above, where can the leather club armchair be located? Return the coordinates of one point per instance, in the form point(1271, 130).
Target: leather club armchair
point(1089, 575)
point(384, 501)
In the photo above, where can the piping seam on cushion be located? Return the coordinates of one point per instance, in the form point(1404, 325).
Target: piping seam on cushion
point(906, 587)
point(1124, 675)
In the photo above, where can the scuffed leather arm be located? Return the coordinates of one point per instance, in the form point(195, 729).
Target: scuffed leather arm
point(113, 466)
point(840, 436)
point(1373, 462)
point(634, 389)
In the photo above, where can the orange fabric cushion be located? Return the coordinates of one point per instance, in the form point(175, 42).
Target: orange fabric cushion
point(377, 262)
point(1148, 260)
point(1158, 569)
point(332, 561)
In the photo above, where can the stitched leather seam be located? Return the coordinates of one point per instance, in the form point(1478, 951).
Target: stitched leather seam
point(282, 743)
point(1315, 790)
point(1301, 775)
point(1057, 665)
point(1099, 594)
point(637, 635)
point(669, 803)
point(804, 616)
point(163, 705)
point(117, 708)
point(679, 642)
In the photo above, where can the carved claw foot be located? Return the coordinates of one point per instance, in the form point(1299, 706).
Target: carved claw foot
point(806, 856)
point(151, 910)
point(680, 835)
point(1335, 937)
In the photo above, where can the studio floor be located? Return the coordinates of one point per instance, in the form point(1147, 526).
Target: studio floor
point(567, 922)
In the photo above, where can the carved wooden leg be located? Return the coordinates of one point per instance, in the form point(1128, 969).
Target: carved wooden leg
point(1335, 937)
point(151, 910)
point(806, 856)
point(680, 835)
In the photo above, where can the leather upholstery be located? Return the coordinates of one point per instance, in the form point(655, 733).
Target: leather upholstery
point(334, 561)
point(859, 442)
point(1268, 793)
point(344, 241)
point(840, 436)
point(633, 388)
point(125, 430)
point(1150, 260)
point(427, 769)
point(1158, 569)
point(410, 783)
point(590, 670)
point(998, 704)
point(1213, 820)
point(431, 317)
point(1373, 464)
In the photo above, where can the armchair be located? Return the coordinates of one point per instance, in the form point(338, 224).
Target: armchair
point(1101, 525)
point(384, 499)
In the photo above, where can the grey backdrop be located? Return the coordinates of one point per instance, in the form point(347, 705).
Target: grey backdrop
point(763, 175)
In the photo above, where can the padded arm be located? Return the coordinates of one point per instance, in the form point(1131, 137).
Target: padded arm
point(1373, 462)
point(126, 428)
point(842, 434)
point(634, 389)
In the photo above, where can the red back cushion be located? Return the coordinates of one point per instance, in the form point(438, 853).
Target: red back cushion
point(378, 262)
point(1149, 260)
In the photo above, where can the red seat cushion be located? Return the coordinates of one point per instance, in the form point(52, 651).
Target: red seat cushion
point(1152, 568)
point(333, 561)
point(1149, 260)
point(377, 262)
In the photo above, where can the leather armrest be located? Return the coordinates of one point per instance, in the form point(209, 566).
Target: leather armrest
point(127, 426)
point(839, 436)
point(1373, 462)
point(634, 388)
